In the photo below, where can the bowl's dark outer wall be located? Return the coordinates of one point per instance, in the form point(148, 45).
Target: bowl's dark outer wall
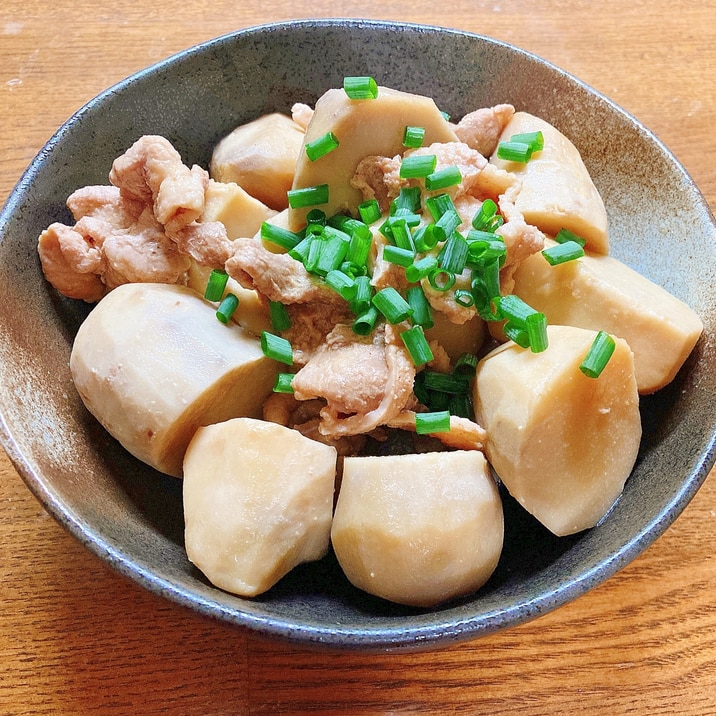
point(132, 517)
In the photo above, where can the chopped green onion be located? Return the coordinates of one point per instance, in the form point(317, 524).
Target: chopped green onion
point(564, 235)
point(277, 348)
point(427, 237)
point(445, 115)
point(314, 253)
point(392, 305)
point(514, 151)
point(461, 405)
point(279, 236)
point(484, 216)
point(396, 255)
point(308, 196)
point(360, 87)
point(440, 203)
point(408, 200)
point(320, 147)
point(227, 307)
point(413, 137)
point(465, 365)
point(435, 422)
point(536, 324)
point(283, 383)
point(598, 355)
point(464, 298)
point(517, 334)
point(365, 323)
point(445, 382)
point(359, 247)
point(561, 253)
point(417, 166)
point(216, 285)
point(316, 217)
point(400, 234)
point(333, 251)
point(369, 211)
point(422, 311)
point(443, 178)
point(301, 250)
point(453, 255)
point(449, 222)
point(421, 268)
point(280, 320)
point(441, 280)
point(535, 140)
point(342, 284)
point(514, 309)
point(417, 345)
point(364, 292)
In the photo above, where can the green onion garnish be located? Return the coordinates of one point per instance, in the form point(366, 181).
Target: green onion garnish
point(536, 324)
point(422, 311)
point(279, 236)
point(465, 365)
point(280, 319)
point(417, 345)
point(308, 196)
point(443, 178)
point(301, 250)
point(364, 292)
point(360, 87)
point(449, 222)
point(435, 422)
point(564, 235)
point(535, 140)
point(427, 237)
point(418, 166)
point(441, 280)
point(342, 284)
point(321, 146)
point(227, 307)
point(437, 205)
point(514, 309)
point(598, 355)
point(453, 255)
point(316, 217)
point(444, 382)
point(561, 253)
point(277, 348)
point(400, 234)
point(365, 323)
point(369, 211)
point(333, 250)
point(216, 285)
point(461, 405)
point(516, 333)
point(392, 305)
point(283, 383)
point(396, 255)
point(407, 201)
point(421, 268)
point(484, 216)
point(413, 137)
point(514, 151)
point(464, 298)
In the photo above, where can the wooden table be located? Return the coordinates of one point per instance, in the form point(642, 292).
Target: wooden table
point(77, 638)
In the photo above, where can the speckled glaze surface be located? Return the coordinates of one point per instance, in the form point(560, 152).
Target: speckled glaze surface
point(131, 517)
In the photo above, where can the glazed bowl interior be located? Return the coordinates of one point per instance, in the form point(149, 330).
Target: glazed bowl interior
point(132, 516)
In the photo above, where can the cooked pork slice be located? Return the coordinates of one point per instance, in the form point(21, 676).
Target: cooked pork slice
point(278, 277)
point(482, 128)
point(464, 434)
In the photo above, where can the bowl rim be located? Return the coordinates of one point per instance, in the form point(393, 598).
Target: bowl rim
point(440, 631)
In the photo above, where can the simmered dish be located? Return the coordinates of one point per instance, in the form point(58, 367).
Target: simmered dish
point(361, 269)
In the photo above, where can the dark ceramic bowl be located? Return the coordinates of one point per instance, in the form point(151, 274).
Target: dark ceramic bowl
point(131, 517)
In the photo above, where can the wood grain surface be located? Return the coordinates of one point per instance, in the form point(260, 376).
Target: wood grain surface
point(76, 638)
